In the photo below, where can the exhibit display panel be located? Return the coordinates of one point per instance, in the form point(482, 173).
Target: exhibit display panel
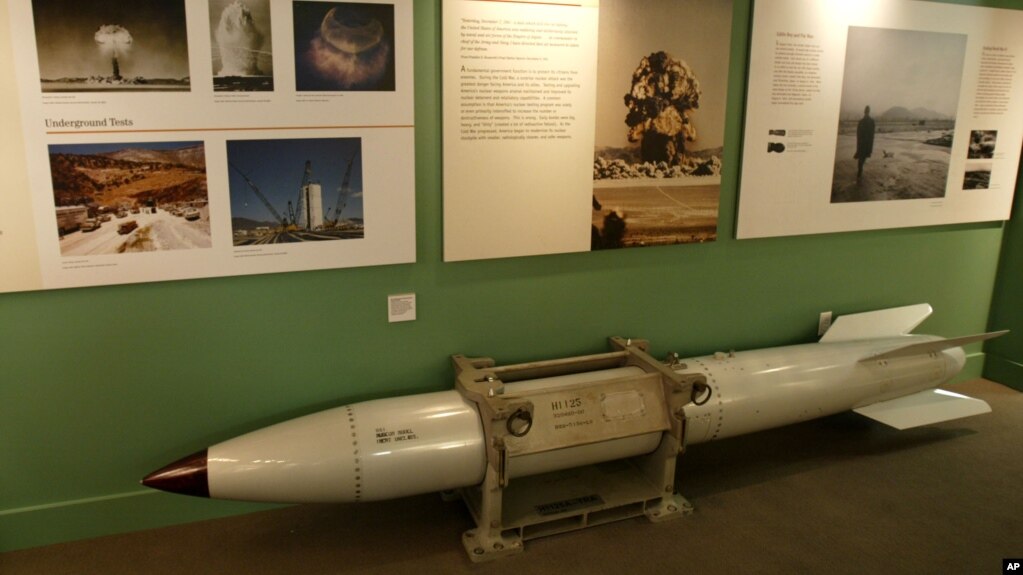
point(582, 126)
point(879, 115)
point(189, 139)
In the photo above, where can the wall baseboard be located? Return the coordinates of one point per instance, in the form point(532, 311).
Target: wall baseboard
point(98, 516)
point(1004, 371)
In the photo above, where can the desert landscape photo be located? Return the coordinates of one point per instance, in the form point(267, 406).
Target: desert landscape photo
point(130, 197)
point(900, 95)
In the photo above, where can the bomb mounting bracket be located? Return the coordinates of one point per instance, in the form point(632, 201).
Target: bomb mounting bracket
point(592, 406)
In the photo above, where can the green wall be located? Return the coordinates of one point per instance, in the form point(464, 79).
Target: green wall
point(99, 386)
point(1004, 359)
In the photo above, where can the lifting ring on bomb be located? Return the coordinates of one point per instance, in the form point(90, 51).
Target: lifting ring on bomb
point(701, 393)
point(520, 423)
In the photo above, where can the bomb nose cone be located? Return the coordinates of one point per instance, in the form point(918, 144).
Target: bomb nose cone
point(187, 476)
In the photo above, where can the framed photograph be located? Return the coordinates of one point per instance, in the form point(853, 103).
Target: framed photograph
point(241, 45)
point(267, 207)
point(130, 197)
point(111, 46)
point(344, 46)
point(660, 121)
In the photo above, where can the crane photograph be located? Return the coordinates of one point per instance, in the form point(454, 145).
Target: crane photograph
point(295, 190)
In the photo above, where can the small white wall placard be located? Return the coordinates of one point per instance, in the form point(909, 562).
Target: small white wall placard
point(401, 307)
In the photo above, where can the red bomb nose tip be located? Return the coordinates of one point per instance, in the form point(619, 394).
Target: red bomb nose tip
point(187, 476)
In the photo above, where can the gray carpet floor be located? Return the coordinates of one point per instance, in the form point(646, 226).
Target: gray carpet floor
point(841, 494)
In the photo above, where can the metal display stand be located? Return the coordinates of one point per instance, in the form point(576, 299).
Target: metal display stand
point(539, 420)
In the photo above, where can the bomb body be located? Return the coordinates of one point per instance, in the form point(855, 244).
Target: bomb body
point(395, 447)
